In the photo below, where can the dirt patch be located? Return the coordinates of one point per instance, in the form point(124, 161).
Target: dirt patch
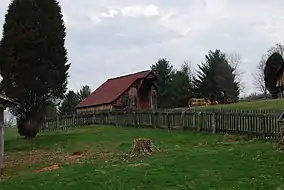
point(49, 168)
point(235, 139)
point(76, 153)
point(47, 160)
point(202, 144)
point(30, 158)
point(107, 156)
point(74, 158)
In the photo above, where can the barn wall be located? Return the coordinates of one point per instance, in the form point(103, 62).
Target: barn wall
point(132, 93)
point(95, 108)
point(147, 98)
point(153, 96)
point(280, 79)
point(144, 99)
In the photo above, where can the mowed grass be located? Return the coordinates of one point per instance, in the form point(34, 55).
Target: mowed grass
point(276, 104)
point(185, 160)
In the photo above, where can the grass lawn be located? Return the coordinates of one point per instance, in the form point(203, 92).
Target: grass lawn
point(186, 160)
point(276, 104)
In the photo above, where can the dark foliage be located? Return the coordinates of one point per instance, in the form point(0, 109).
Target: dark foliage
point(174, 86)
point(72, 99)
point(216, 75)
point(69, 103)
point(33, 59)
point(84, 92)
point(181, 87)
point(164, 72)
point(271, 69)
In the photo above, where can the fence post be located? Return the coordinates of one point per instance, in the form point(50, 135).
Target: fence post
point(281, 122)
point(73, 120)
point(263, 125)
point(281, 142)
point(156, 118)
point(183, 119)
point(151, 116)
point(109, 117)
point(94, 118)
point(236, 123)
point(168, 120)
point(213, 122)
point(135, 119)
point(153, 120)
point(200, 123)
point(124, 119)
point(117, 118)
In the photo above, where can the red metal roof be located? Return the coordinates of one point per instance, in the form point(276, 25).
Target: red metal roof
point(112, 89)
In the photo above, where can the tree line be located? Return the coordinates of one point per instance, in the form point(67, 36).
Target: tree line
point(218, 73)
point(72, 99)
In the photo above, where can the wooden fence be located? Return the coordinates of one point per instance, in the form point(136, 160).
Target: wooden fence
point(254, 124)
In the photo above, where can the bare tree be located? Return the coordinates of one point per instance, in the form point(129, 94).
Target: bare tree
point(279, 48)
point(258, 78)
point(258, 75)
point(234, 59)
point(189, 68)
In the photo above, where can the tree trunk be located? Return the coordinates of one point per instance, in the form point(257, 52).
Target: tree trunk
point(28, 128)
point(265, 93)
point(1, 141)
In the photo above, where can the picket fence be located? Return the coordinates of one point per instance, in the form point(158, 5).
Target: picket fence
point(259, 124)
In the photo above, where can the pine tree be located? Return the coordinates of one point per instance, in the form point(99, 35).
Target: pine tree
point(84, 92)
point(216, 75)
point(164, 72)
point(181, 86)
point(33, 59)
point(69, 103)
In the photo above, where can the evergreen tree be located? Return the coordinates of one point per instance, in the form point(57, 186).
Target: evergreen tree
point(164, 72)
point(181, 86)
point(33, 59)
point(84, 92)
point(69, 103)
point(216, 75)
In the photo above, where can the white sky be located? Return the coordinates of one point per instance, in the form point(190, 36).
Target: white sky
point(115, 37)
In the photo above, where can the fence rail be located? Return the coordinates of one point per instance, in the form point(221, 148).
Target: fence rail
point(254, 124)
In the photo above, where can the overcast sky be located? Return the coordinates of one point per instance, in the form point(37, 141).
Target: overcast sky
point(108, 38)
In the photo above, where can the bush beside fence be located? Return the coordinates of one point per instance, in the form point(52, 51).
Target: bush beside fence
point(254, 124)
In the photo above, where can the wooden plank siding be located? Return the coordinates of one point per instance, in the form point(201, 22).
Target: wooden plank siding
point(95, 108)
point(280, 78)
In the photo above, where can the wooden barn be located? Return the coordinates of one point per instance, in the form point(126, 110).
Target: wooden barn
point(133, 91)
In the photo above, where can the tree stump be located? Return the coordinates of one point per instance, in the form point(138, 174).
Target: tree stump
point(142, 146)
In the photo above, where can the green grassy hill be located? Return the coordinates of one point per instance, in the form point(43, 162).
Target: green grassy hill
point(276, 104)
point(186, 160)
